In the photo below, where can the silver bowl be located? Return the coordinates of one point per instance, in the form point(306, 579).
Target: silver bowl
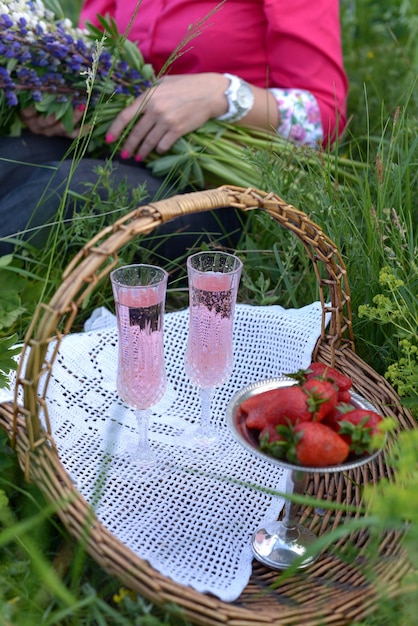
point(280, 544)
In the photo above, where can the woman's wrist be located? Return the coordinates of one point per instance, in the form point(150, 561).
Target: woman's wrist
point(240, 99)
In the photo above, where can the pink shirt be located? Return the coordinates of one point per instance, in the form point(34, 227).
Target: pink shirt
point(269, 43)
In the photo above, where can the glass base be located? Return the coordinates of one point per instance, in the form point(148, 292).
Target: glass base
point(196, 437)
point(146, 462)
point(278, 546)
point(143, 461)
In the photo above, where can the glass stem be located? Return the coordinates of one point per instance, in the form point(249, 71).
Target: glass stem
point(206, 394)
point(295, 483)
point(204, 435)
point(145, 454)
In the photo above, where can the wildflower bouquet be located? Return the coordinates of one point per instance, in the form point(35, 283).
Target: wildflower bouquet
point(48, 63)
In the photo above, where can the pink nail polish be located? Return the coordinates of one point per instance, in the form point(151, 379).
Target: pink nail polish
point(138, 158)
point(109, 138)
point(124, 154)
point(81, 107)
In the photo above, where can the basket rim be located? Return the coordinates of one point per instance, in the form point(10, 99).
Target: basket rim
point(40, 460)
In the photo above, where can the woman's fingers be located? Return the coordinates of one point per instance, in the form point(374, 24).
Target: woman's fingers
point(124, 120)
point(177, 105)
point(48, 125)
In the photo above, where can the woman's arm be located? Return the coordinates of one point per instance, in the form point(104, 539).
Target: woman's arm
point(305, 53)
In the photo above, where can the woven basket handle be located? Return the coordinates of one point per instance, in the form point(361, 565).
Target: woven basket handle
point(96, 259)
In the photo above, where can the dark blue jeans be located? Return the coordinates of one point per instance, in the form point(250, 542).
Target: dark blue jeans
point(34, 173)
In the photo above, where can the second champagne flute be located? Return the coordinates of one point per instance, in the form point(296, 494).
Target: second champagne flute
point(213, 285)
point(139, 292)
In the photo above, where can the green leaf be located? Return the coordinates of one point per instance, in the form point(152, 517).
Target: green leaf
point(166, 164)
point(8, 350)
point(6, 260)
point(108, 25)
point(67, 117)
point(10, 308)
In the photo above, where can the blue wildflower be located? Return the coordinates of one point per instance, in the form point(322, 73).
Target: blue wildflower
point(75, 62)
point(50, 61)
point(25, 55)
point(80, 46)
point(36, 95)
point(11, 98)
point(22, 26)
point(5, 21)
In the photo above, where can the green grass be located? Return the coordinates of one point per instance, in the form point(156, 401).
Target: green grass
point(371, 213)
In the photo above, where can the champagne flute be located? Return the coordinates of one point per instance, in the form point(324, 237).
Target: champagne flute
point(139, 292)
point(213, 286)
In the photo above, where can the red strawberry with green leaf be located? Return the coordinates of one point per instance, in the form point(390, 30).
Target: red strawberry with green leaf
point(271, 440)
point(307, 443)
point(322, 397)
point(320, 370)
point(360, 428)
point(325, 372)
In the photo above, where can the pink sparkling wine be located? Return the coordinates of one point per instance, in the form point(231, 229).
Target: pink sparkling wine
point(209, 353)
point(141, 373)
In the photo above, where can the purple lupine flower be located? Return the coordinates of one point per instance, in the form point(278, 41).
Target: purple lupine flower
point(53, 58)
point(5, 21)
point(106, 60)
point(75, 62)
point(22, 26)
point(5, 76)
point(36, 95)
point(80, 46)
point(11, 98)
point(13, 51)
point(132, 74)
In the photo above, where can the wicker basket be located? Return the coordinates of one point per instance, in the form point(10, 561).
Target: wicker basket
point(334, 590)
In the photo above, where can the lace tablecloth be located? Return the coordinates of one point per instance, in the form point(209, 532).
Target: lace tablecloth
point(192, 517)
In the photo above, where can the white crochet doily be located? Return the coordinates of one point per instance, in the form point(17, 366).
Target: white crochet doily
point(192, 517)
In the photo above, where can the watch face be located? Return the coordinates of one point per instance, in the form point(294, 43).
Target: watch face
point(244, 96)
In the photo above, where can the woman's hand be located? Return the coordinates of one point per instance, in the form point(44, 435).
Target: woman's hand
point(48, 126)
point(161, 115)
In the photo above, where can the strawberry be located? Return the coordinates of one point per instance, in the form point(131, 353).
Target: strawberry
point(306, 443)
point(276, 406)
point(320, 370)
point(344, 396)
point(333, 418)
point(318, 445)
point(359, 427)
point(273, 442)
point(325, 372)
point(322, 397)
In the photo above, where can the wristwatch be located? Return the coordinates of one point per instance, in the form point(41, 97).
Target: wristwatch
point(240, 99)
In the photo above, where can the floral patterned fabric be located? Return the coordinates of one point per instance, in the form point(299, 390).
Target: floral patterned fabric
point(300, 116)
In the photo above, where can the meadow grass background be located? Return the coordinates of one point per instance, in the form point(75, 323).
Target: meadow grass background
point(371, 214)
